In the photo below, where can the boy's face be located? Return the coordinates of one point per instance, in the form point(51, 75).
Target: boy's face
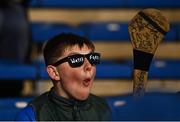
point(76, 82)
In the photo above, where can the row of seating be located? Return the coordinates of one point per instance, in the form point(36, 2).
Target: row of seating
point(153, 106)
point(105, 3)
point(99, 31)
point(106, 70)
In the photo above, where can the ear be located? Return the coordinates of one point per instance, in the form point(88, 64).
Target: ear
point(53, 73)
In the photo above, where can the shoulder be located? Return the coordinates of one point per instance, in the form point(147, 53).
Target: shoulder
point(40, 100)
point(99, 102)
point(29, 112)
point(26, 114)
point(97, 99)
point(101, 106)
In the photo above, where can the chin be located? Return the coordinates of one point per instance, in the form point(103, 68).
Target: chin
point(82, 96)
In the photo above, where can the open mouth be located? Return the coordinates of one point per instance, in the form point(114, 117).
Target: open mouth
point(87, 82)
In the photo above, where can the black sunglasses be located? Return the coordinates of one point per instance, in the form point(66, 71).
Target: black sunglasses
point(77, 60)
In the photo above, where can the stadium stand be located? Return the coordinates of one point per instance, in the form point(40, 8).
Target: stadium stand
point(105, 23)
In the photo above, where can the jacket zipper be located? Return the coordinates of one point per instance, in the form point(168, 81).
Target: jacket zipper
point(75, 111)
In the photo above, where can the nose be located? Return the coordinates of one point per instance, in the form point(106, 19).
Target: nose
point(87, 65)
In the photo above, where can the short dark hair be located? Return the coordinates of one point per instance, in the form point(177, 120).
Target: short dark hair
point(55, 47)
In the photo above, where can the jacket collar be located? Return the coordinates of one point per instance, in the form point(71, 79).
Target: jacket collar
point(69, 104)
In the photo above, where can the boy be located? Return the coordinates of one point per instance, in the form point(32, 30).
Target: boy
point(71, 64)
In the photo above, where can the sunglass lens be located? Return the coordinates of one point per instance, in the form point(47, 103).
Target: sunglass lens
point(94, 58)
point(75, 60)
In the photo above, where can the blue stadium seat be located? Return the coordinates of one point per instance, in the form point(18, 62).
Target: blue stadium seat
point(41, 32)
point(162, 69)
point(77, 4)
point(159, 69)
point(172, 35)
point(16, 71)
point(178, 34)
point(165, 69)
point(9, 107)
point(106, 3)
point(106, 31)
point(113, 71)
point(153, 3)
point(42, 72)
point(151, 107)
point(114, 31)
